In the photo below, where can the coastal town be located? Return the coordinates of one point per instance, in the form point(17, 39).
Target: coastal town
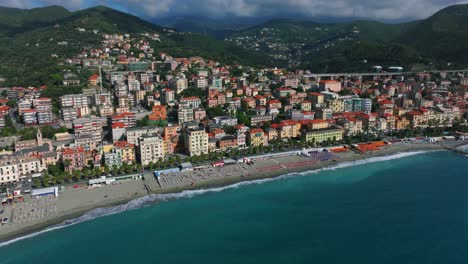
point(178, 122)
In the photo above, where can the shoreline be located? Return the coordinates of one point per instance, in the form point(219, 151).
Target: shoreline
point(73, 213)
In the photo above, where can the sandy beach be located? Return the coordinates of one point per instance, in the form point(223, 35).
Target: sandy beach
point(38, 214)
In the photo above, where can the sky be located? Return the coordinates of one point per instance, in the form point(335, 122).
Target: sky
point(381, 10)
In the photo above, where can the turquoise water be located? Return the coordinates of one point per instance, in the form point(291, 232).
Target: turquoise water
point(411, 210)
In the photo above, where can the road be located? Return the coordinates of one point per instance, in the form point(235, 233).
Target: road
point(14, 119)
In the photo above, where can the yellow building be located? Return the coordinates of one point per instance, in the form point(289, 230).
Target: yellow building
point(257, 137)
point(271, 134)
point(107, 148)
point(306, 105)
point(317, 124)
point(336, 105)
point(196, 142)
point(127, 150)
point(317, 99)
point(324, 135)
point(402, 123)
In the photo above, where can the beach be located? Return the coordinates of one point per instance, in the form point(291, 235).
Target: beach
point(75, 202)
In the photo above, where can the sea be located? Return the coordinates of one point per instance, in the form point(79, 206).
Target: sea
point(404, 208)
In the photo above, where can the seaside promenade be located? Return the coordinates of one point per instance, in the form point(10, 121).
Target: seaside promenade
point(73, 202)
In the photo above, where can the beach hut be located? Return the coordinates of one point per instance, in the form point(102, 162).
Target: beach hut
point(229, 161)
point(217, 163)
point(186, 166)
point(45, 192)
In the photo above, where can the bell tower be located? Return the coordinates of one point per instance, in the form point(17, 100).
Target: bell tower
point(39, 137)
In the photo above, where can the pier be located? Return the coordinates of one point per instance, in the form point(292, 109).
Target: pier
point(454, 146)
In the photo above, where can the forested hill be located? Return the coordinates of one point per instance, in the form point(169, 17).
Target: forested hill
point(437, 40)
point(29, 38)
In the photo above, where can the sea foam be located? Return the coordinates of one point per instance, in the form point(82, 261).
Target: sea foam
point(152, 198)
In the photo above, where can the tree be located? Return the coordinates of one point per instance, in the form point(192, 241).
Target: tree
point(215, 111)
point(97, 172)
point(11, 103)
point(115, 169)
point(266, 125)
point(36, 182)
point(243, 119)
point(86, 173)
point(59, 178)
point(46, 180)
point(106, 170)
point(8, 122)
point(138, 167)
point(66, 163)
point(170, 161)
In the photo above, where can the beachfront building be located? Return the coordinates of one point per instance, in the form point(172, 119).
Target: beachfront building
point(12, 168)
point(227, 142)
point(151, 149)
point(323, 135)
point(256, 137)
point(196, 141)
point(127, 151)
point(113, 158)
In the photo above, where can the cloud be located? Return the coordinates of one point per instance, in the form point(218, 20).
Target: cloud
point(15, 3)
point(374, 9)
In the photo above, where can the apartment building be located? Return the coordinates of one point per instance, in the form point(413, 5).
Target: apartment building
point(196, 141)
point(151, 148)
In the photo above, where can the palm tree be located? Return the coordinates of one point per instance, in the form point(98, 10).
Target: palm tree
point(36, 182)
point(115, 169)
point(106, 170)
point(138, 167)
point(59, 178)
point(53, 180)
point(85, 172)
point(97, 172)
point(76, 174)
point(170, 161)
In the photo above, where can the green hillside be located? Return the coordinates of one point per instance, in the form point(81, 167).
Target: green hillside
point(13, 19)
point(443, 36)
point(26, 48)
point(436, 40)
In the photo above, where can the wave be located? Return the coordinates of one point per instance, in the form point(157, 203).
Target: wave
point(152, 198)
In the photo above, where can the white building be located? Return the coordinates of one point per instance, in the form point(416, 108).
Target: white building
point(12, 168)
point(196, 141)
point(135, 133)
point(151, 149)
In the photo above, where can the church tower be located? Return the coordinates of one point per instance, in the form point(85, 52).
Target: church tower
point(39, 137)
